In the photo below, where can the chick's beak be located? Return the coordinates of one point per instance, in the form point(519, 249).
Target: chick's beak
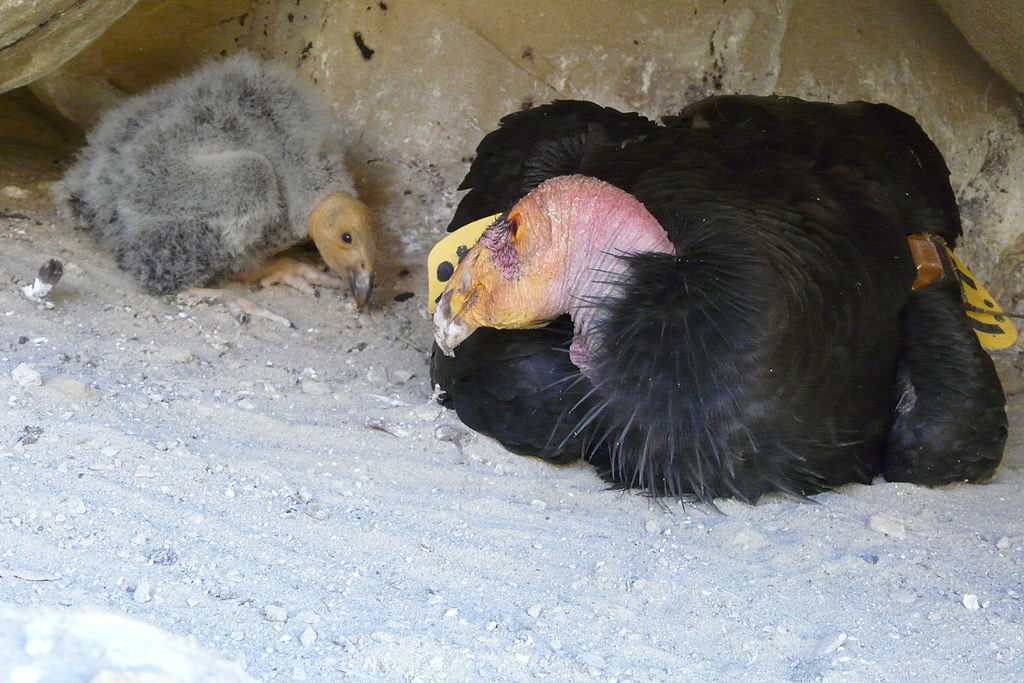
point(360, 282)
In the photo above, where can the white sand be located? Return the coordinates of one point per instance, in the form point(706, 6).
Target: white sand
point(282, 498)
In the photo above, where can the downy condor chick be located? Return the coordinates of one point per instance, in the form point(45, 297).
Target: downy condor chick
point(735, 301)
point(213, 173)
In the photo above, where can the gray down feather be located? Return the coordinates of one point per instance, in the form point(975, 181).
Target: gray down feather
point(199, 176)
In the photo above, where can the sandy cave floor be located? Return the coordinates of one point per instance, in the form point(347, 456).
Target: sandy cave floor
point(296, 502)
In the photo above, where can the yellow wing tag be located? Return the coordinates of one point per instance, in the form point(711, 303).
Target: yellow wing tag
point(447, 254)
point(994, 330)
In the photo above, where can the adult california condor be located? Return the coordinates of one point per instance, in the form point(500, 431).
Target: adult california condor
point(737, 307)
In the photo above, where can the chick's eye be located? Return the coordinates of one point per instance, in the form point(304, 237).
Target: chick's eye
point(346, 237)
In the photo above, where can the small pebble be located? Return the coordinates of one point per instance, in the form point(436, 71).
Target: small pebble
point(27, 376)
point(308, 637)
point(143, 472)
point(652, 527)
point(748, 539)
point(829, 644)
point(317, 512)
point(428, 412)
point(377, 375)
point(534, 610)
point(450, 613)
point(308, 617)
point(402, 376)
point(888, 526)
point(174, 355)
point(971, 601)
point(162, 556)
point(311, 386)
point(74, 389)
point(275, 613)
point(75, 505)
point(142, 591)
point(1004, 543)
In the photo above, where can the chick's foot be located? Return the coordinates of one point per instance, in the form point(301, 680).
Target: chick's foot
point(298, 274)
point(240, 308)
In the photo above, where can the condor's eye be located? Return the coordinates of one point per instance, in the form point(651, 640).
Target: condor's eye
point(513, 225)
point(346, 237)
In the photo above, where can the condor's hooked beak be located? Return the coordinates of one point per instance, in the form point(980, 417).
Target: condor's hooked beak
point(345, 235)
point(454, 317)
point(508, 280)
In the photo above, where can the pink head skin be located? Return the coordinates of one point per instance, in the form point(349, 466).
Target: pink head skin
point(554, 251)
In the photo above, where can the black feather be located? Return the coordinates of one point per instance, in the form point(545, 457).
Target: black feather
point(540, 143)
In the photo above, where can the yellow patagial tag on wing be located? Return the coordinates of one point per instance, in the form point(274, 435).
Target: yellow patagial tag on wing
point(994, 330)
point(446, 255)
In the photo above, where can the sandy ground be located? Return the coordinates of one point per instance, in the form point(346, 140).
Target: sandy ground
point(293, 501)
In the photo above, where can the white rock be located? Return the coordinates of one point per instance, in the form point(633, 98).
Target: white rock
point(88, 644)
point(275, 613)
point(971, 601)
point(535, 610)
point(27, 376)
point(75, 505)
point(428, 412)
point(311, 386)
point(748, 539)
point(317, 512)
point(829, 644)
point(74, 389)
point(308, 617)
point(1004, 543)
point(652, 527)
point(885, 524)
point(14, 192)
point(308, 637)
point(174, 355)
point(142, 591)
point(143, 472)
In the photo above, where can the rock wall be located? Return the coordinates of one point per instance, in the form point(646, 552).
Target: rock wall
point(419, 83)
